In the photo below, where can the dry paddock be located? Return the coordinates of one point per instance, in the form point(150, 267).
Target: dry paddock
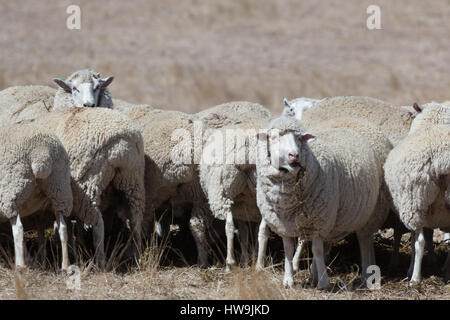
point(167, 270)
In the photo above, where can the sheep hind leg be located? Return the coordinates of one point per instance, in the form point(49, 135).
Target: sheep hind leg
point(419, 246)
point(229, 231)
point(98, 233)
point(429, 247)
point(318, 256)
point(289, 248)
point(62, 229)
point(446, 268)
point(197, 225)
point(19, 252)
point(263, 236)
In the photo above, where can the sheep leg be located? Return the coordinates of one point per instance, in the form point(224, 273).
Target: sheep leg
point(429, 246)
point(263, 236)
point(367, 253)
point(298, 253)
point(62, 228)
point(229, 231)
point(318, 257)
point(197, 225)
point(419, 246)
point(395, 258)
point(244, 241)
point(446, 268)
point(98, 232)
point(17, 230)
point(289, 248)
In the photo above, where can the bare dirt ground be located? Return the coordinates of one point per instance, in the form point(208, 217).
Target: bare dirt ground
point(189, 55)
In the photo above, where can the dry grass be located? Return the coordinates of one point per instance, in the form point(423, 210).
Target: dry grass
point(156, 276)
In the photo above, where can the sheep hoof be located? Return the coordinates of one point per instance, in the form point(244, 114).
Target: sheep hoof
point(288, 282)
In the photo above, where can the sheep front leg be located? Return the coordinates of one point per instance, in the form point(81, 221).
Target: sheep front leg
point(17, 230)
point(229, 231)
point(289, 247)
point(263, 236)
point(98, 232)
point(62, 228)
point(298, 253)
point(319, 263)
point(367, 253)
point(419, 246)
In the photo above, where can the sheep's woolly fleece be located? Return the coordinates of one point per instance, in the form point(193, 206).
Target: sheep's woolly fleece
point(25, 103)
point(335, 195)
point(417, 172)
point(232, 186)
point(64, 99)
point(168, 136)
point(393, 121)
point(432, 114)
point(33, 159)
point(104, 148)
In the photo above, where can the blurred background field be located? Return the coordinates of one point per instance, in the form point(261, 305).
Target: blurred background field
point(190, 54)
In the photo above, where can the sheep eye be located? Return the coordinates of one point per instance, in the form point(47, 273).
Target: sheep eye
point(75, 89)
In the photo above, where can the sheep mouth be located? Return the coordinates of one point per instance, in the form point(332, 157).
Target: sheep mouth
point(294, 164)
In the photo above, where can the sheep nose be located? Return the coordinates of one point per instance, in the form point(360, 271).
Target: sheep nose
point(293, 156)
point(88, 104)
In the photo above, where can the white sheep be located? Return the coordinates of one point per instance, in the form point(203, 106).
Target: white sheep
point(25, 103)
point(319, 191)
point(34, 176)
point(230, 186)
point(417, 173)
point(296, 107)
point(83, 88)
point(168, 180)
point(106, 156)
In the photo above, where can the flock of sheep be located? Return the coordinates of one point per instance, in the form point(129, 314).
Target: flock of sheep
point(322, 170)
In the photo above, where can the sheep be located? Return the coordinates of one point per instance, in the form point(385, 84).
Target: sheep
point(169, 180)
point(319, 191)
point(230, 187)
point(34, 176)
point(417, 173)
point(394, 122)
point(106, 155)
point(296, 107)
point(83, 88)
point(21, 103)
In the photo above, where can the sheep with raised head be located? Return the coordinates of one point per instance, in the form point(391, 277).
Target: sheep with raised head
point(417, 173)
point(83, 88)
point(106, 155)
point(319, 191)
point(34, 176)
point(296, 107)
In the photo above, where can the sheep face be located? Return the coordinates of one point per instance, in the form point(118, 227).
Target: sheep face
point(284, 149)
point(85, 93)
point(295, 108)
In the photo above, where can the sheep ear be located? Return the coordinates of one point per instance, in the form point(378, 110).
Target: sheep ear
point(106, 82)
point(416, 107)
point(307, 137)
point(63, 85)
point(286, 103)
